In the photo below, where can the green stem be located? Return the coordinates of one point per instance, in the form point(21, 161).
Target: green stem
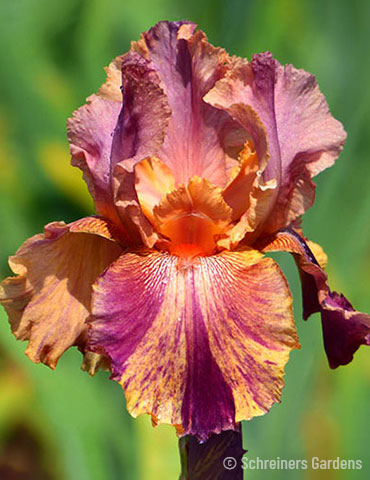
point(219, 458)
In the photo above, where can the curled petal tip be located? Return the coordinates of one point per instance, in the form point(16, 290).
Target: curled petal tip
point(344, 329)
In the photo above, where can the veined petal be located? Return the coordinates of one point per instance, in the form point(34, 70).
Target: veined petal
point(199, 344)
point(303, 137)
point(344, 328)
point(96, 226)
point(49, 299)
point(198, 140)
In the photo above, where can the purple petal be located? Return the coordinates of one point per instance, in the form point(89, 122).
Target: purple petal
point(344, 329)
point(90, 133)
point(199, 343)
point(140, 132)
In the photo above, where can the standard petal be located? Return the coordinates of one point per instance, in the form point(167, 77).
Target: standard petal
point(90, 132)
point(145, 111)
point(249, 197)
point(199, 344)
point(49, 299)
point(344, 328)
point(303, 138)
point(140, 132)
point(199, 140)
point(106, 134)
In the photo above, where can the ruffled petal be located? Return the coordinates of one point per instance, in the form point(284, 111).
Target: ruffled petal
point(199, 140)
point(199, 344)
point(344, 328)
point(49, 299)
point(90, 132)
point(303, 138)
point(140, 132)
point(114, 129)
point(249, 197)
point(145, 111)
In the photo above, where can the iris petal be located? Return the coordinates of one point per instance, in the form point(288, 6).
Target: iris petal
point(90, 133)
point(49, 299)
point(303, 138)
point(200, 344)
point(344, 328)
point(199, 137)
point(139, 133)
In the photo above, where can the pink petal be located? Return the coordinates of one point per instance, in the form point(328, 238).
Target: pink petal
point(90, 133)
point(198, 136)
point(139, 133)
point(303, 138)
point(107, 135)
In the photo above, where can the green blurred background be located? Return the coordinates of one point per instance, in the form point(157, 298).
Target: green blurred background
point(62, 425)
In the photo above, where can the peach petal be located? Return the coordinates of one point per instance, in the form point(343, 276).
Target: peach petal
point(153, 180)
point(49, 299)
point(193, 215)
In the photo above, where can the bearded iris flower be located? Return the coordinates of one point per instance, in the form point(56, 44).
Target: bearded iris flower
point(198, 163)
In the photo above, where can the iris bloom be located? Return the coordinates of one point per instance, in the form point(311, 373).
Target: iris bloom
point(198, 164)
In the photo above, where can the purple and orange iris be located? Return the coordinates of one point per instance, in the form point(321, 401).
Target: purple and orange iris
point(198, 164)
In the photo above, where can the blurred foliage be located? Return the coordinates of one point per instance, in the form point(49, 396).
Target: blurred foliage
point(63, 425)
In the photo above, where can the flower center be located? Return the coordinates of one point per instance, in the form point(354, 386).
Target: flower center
point(191, 234)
